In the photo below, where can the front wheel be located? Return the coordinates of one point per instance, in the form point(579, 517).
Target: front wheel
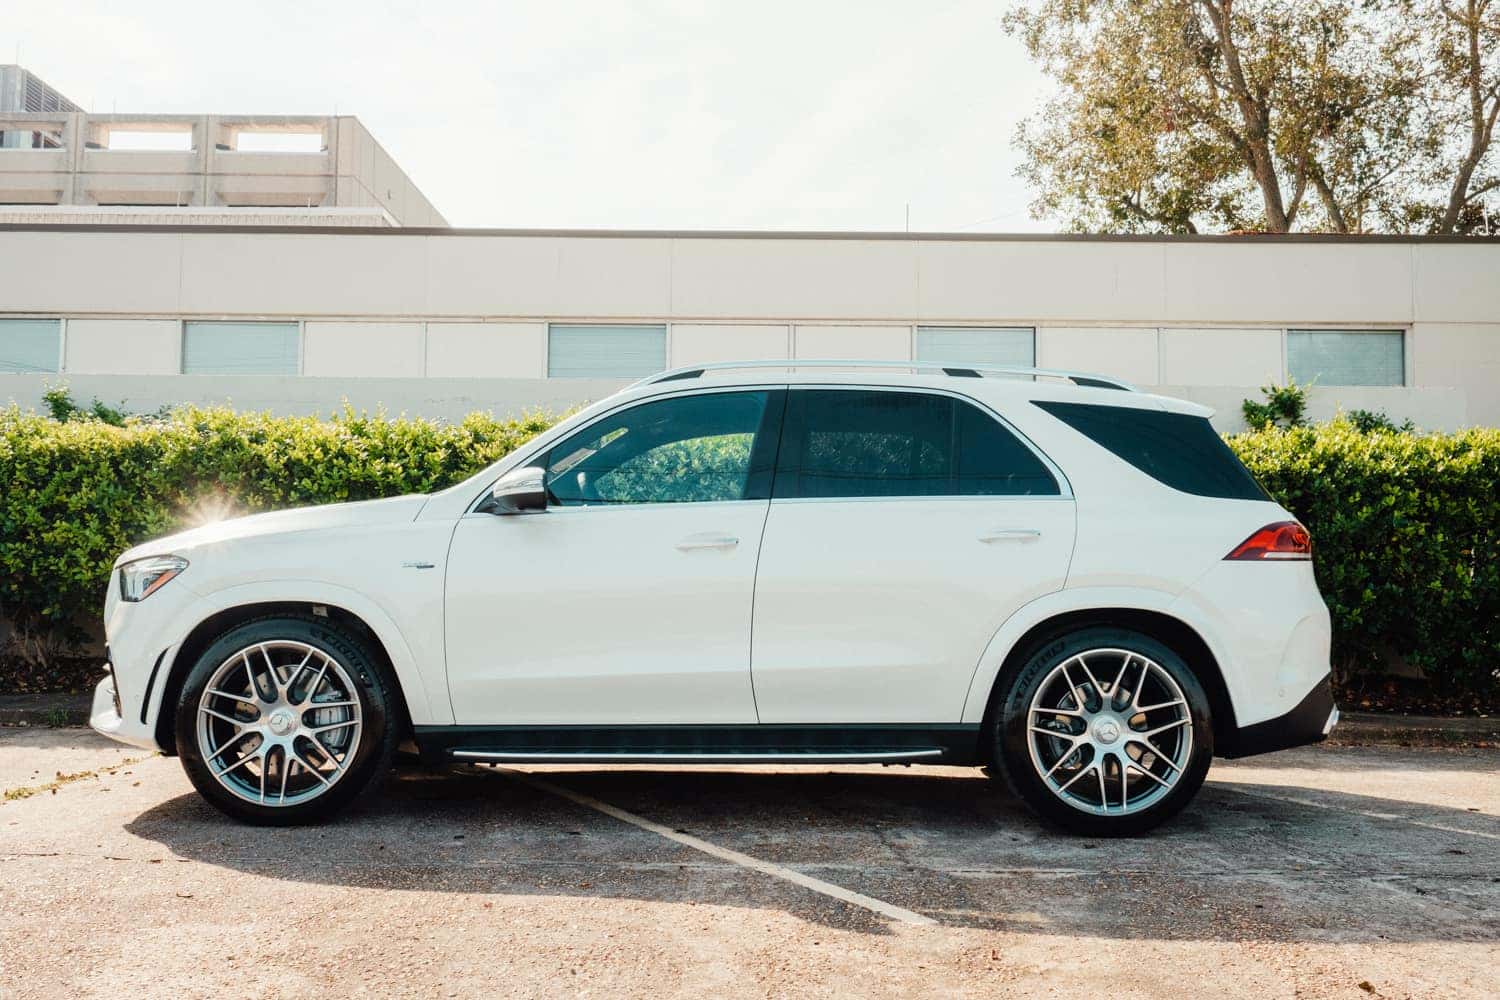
point(286, 720)
point(1104, 731)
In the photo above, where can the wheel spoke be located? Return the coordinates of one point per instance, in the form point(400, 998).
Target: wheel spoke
point(250, 672)
point(1158, 754)
point(1114, 687)
point(1142, 769)
point(241, 723)
point(257, 755)
point(1077, 698)
point(1140, 685)
point(332, 704)
point(1165, 704)
point(286, 769)
point(1072, 749)
point(1057, 711)
point(337, 766)
point(1163, 728)
point(312, 689)
point(1082, 771)
point(1094, 681)
point(227, 744)
point(307, 766)
point(354, 722)
point(291, 681)
point(1103, 796)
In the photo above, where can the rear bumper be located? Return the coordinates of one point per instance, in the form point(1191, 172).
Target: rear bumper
point(1309, 722)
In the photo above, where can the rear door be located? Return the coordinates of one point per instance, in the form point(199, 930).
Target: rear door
point(905, 527)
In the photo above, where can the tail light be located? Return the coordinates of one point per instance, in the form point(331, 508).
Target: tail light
point(1282, 540)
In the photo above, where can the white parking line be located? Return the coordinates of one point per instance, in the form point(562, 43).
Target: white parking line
point(885, 909)
point(1235, 786)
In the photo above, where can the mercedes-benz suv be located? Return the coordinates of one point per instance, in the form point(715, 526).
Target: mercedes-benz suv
point(1069, 582)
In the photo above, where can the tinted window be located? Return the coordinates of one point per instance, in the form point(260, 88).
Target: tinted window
point(1177, 449)
point(862, 443)
point(681, 450)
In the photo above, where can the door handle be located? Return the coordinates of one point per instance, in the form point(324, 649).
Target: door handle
point(1011, 535)
point(707, 540)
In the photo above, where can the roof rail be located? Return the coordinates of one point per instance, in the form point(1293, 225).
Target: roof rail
point(953, 369)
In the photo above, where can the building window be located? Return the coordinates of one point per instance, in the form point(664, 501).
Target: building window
point(239, 349)
point(977, 345)
point(594, 351)
point(1346, 357)
point(30, 345)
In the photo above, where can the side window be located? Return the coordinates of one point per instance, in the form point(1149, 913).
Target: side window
point(712, 446)
point(1178, 449)
point(873, 443)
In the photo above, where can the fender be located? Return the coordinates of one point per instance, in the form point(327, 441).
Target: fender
point(1061, 602)
point(426, 697)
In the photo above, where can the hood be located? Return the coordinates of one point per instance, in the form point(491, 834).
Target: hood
point(281, 522)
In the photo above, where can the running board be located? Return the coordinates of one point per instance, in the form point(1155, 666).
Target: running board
point(703, 757)
point(712, 744)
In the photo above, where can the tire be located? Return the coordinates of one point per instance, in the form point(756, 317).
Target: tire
point(331, 693)
point(1089, 686)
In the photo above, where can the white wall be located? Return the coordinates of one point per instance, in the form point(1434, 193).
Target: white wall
point(486, 350)
point(123, 347)
point(364, 350)
point(852, 342)
point(697, 343)
point(1130, 353)
point(1202, 313)
point(1203, 356)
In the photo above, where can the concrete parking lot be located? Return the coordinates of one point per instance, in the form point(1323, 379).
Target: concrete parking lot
point(1331, 871)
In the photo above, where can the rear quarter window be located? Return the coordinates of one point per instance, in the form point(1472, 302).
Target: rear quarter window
point(1177, 449)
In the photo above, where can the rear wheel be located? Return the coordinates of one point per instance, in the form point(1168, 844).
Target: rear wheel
point(286, 720)
point(1104, 731)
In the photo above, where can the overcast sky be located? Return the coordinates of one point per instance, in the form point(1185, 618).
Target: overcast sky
point(755, 114)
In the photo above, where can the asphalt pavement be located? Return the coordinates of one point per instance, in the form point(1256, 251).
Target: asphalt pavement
point(1327, 871)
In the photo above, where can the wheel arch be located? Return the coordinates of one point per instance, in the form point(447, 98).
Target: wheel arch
point(1182, 637)
point(208, 629)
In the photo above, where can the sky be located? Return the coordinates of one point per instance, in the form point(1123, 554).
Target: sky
point(658, 114)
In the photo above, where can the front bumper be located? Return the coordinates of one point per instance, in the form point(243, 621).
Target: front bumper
point(1310, 722)
point(107, 719)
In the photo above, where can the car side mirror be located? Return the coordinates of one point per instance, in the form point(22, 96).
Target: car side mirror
point(519, 491)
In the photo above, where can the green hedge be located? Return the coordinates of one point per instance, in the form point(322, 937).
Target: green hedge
point(1405, 531)
point(1405, 527)
point(77, 493)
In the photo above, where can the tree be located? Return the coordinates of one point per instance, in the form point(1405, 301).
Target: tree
point(1462, 53)
point(1273, 115)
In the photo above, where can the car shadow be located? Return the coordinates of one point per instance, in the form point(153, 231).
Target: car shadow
point(1244, 862)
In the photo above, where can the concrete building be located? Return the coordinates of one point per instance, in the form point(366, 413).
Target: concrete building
point(438, 322)
point(59, 164)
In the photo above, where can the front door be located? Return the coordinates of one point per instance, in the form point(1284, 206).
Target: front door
point(628, 600)
point(905, 527)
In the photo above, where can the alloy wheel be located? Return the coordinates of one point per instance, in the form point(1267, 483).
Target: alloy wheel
point(1109, 731)
point(279, 723)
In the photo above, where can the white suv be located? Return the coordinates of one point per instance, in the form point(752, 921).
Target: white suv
point(1073, 583)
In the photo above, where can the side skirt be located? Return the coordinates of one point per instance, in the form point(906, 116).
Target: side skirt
point(813, 744)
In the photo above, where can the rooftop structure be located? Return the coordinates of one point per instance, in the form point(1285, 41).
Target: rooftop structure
point(60, 164)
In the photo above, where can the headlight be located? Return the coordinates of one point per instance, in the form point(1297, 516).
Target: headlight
point(144, 577)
